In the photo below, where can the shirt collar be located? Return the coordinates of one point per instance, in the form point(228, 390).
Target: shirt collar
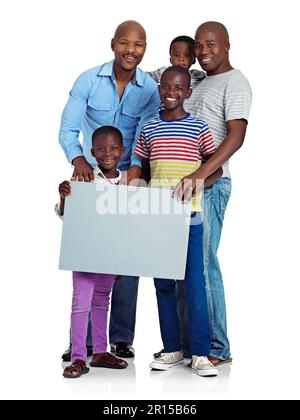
point(97, 174)
point(107, 69)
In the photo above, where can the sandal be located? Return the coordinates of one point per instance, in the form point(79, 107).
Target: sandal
point(107, 360)
point(217, 362)
point(76, 369)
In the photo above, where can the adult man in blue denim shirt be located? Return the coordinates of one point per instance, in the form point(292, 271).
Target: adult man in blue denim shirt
point(120, 94)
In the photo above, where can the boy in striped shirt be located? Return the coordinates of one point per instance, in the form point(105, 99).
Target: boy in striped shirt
point(174, 144)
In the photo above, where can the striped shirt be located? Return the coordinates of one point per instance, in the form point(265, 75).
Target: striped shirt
point(175, 149)
point(218, 99)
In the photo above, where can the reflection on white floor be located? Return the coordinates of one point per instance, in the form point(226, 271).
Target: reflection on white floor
point(256, 334)
point(180, 382)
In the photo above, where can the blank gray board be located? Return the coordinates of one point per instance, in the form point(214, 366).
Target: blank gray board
point(127, 238)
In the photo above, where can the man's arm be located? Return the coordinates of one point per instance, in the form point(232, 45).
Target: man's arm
point(236, 131)
point(71, 123)
point(213, 178)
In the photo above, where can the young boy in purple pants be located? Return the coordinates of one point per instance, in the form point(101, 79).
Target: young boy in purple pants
point(91, 291)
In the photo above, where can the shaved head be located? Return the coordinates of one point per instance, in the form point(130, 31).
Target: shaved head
point(215, 27)
point(212, 48)
point(130, 24)
point(129, 46)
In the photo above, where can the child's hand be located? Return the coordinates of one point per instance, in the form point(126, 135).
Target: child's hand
point(64, 189)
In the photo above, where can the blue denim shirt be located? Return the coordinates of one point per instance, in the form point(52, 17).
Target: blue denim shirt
point(94, 101)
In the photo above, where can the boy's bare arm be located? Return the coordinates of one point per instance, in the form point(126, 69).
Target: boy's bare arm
point(146, 173)
point(64, 190)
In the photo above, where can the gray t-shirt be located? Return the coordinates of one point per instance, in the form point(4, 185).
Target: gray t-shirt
point(218, 99)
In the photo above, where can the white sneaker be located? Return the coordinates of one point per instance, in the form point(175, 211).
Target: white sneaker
point(167, 360)
point(203, 366)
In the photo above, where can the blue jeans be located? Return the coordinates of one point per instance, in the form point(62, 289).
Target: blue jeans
point(215, 202)
point(123, 309)
point(197, 313)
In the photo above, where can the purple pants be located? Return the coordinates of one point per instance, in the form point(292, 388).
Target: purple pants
point(91, 292)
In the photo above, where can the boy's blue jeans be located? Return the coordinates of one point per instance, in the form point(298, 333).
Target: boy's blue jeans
point(215, 201)
point(197, 314)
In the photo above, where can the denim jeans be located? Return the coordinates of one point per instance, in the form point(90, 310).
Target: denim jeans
point(197, 313)
point(123, 309)
point(215, 202)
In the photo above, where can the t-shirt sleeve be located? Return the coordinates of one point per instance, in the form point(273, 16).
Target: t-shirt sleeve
point(142, 148)
point(156, 74)
point(238, 98)
point(206, 142)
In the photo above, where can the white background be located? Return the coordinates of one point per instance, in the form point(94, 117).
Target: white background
point(45, 45)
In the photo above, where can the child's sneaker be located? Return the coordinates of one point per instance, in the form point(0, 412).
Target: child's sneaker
point(167, 360)
point(203, 366)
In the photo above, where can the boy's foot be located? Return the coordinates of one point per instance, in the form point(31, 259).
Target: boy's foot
point(76, 369)
point(159, 353)
point(122, 349)
point(66, 357)
point(107, 360)
point(217, 362)
point(203, 366)
point(167, 360)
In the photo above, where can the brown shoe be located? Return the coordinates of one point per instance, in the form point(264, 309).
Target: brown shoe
point(107, 360)
point(76, 369)
point(218, 362)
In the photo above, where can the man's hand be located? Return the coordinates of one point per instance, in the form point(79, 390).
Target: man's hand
point(188, 187)
point(82, 170)
point(132, 176)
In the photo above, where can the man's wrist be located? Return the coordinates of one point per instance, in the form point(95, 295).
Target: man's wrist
point(78, 159)
point(200, 174)
point(135, 171)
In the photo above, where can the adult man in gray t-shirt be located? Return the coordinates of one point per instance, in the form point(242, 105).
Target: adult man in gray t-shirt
point(223, 100)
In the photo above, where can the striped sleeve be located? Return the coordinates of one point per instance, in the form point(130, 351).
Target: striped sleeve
point(237, 99)
point(206, 142)
point(142, 148)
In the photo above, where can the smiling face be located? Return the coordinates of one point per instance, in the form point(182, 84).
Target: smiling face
point(107, 150)
point(129, 45)
point(182, 54)
point(211, 49)
point(174, 89)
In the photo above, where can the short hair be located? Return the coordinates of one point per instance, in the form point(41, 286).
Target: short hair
point(107, 129)
point(178, 69)
point(183, 38)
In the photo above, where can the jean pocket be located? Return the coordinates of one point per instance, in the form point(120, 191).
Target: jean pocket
point(223, 201)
